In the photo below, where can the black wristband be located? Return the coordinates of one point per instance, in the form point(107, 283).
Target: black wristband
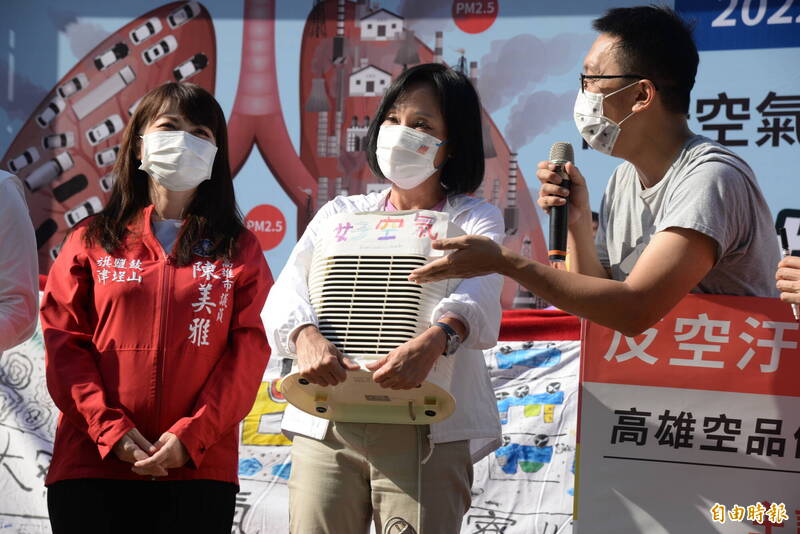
point(453, 339)
point(447, 328)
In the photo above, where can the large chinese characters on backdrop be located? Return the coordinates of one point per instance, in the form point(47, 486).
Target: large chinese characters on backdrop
point(350, 54)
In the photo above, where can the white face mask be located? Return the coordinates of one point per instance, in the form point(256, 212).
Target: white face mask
point(405, 156)
point(177, 160)
point(598, 131)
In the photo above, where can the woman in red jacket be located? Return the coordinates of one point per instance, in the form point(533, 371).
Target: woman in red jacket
point(155, 347)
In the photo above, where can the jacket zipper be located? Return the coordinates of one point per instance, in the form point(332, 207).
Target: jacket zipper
point(166, 285)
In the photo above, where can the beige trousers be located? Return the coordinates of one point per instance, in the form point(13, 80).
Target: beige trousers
point(362, 472)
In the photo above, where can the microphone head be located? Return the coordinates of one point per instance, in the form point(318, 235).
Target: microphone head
point(561, 152)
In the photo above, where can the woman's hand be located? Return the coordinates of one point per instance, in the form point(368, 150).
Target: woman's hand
point(408, 365)
point(788, 277)
point(319, 361)
point(133, 447)
point(170, 453)
point(552, 194)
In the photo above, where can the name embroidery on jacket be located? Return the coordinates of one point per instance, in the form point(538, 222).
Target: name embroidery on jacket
point(118, 270)
point(205, 273)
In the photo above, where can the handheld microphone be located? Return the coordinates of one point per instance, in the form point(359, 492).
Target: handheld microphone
point(560, 154)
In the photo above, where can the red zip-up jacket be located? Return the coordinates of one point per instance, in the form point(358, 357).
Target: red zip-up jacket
point(134, 341)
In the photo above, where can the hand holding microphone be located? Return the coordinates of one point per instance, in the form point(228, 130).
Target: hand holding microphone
point(787, 275)
point(563, 194)
point(560, 155)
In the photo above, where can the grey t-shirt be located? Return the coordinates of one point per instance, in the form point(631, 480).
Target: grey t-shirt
point(708, 189)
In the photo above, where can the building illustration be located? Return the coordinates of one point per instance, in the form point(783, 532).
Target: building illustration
point(381, 25)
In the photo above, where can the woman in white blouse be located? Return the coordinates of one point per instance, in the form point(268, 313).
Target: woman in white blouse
point(345, 475)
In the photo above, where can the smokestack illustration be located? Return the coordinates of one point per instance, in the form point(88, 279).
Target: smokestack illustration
point(318, 103)
point(510, 214)
point(524, 299)
point(339, 188)
point(361, 9)
point(317, 19)
point(486, 130)
point(407, 53)
point(323, 194)
point(486, 133)
point(334, 141)
point(438, 50)
point(461, 66)
point(339, 23)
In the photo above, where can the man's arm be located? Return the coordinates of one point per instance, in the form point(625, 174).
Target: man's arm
point(583, 252)
point(674, 262)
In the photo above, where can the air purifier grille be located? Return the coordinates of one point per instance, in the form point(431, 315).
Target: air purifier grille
point(366, 305)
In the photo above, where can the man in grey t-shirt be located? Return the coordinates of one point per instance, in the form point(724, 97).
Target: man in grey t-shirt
point(707, 189)
point(681, 214)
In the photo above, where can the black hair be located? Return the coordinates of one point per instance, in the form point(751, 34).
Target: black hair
point(656, 43)
point(212, 213)
point(462, 171)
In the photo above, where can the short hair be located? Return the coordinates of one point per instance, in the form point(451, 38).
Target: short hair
point(656, 43)
point(462, 172)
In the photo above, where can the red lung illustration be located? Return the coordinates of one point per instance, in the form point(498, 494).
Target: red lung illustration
point(257, 117)
point(65, 151)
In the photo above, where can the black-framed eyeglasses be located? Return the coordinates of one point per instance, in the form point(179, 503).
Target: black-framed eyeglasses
point(585, 77)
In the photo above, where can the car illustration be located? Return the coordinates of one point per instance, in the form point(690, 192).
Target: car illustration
point(52, 109)
point(106, 157)
point(31, 155)
point(105, 129)
point(45, 231)
point(107, 182)
point(166, 46)
point(133, 106)
point(90, 207)
point(70, 188)
point(146, 30)
point(103, 92)
point(49, 171)
point(73, 86)
point(183, 14)
point(59, 140)
point(190, 67)
point(111, 56)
